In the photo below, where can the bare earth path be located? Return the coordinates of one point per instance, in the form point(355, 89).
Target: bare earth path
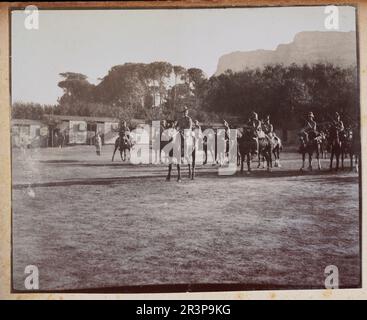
point(89, 223)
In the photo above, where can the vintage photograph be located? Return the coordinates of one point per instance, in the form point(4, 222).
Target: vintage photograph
point(175, 150)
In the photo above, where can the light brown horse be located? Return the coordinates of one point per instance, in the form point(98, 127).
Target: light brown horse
point(180, 141)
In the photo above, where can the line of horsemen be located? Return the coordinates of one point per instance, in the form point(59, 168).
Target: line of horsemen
point(257, 138)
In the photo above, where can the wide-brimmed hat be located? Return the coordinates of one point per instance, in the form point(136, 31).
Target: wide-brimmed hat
point(310, 114)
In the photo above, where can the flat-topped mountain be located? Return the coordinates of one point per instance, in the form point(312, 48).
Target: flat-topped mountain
point(308, 47)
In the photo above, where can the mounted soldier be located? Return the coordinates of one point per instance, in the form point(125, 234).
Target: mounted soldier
point(338, 123)
point(123, 142)
point(310, 126)
point(268, 128)
point(124, 130)
point(335, 140)
point(276, 144)
point(184, 127)
point(255, 124)
point(310, 141)
point(226, 136)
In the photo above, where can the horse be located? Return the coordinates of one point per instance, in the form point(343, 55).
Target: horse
point(350, 146)
point(276, 147)
point(335, 146)
point(125, 144)
point(247, 145)
point(188, 140)
point(310, 143)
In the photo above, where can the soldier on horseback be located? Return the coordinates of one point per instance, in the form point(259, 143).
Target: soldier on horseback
point(124, 130)
point(255, 124)
point(310, 141)
point(123, 142)
point(268, 128)
point(310, 125)
point(275, 142)
point(335, 140)
point(226, 136)
point(184, 123)
point(338, 123)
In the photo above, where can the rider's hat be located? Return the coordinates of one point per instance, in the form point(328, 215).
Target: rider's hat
point(185, 109)
point(337, 114)
point(310, 114)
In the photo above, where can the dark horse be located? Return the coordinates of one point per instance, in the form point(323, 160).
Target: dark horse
point(247, 145)
point(125, 144)
point(310, 143)
point(350, 146)
point(335, 146)
point(187, 140)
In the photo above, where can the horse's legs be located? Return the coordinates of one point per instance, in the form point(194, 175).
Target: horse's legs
point(331, 158)
point(259, 160)
point(278, 157)
point(275, 157)
point(357, 162)
point(189, 165)
point(248, 161)
point(193, 165)
point(270, 159)
point(242, 161)
point(303, 160)
point(342, 156)
point(351, 160)
point(310, 161)
point(114, 151)
point(318, 160)
point(205, 156)
point(168, 178)
point(178, 173)
point(270, 162)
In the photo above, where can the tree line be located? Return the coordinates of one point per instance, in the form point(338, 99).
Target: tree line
point(160, 90)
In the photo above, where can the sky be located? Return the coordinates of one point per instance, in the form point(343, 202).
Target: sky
point(92, 41)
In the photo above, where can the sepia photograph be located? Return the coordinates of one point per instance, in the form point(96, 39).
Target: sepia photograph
point(185, 149)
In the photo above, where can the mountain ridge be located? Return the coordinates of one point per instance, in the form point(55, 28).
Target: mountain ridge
point(307, 47)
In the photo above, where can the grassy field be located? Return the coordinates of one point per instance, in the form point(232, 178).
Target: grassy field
point(89, 223)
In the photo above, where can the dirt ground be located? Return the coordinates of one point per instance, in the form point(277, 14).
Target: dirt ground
point(86, 222)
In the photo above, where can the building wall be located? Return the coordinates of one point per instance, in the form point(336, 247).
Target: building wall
point(110, 133)
point(77, 132)
point(27, 135)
